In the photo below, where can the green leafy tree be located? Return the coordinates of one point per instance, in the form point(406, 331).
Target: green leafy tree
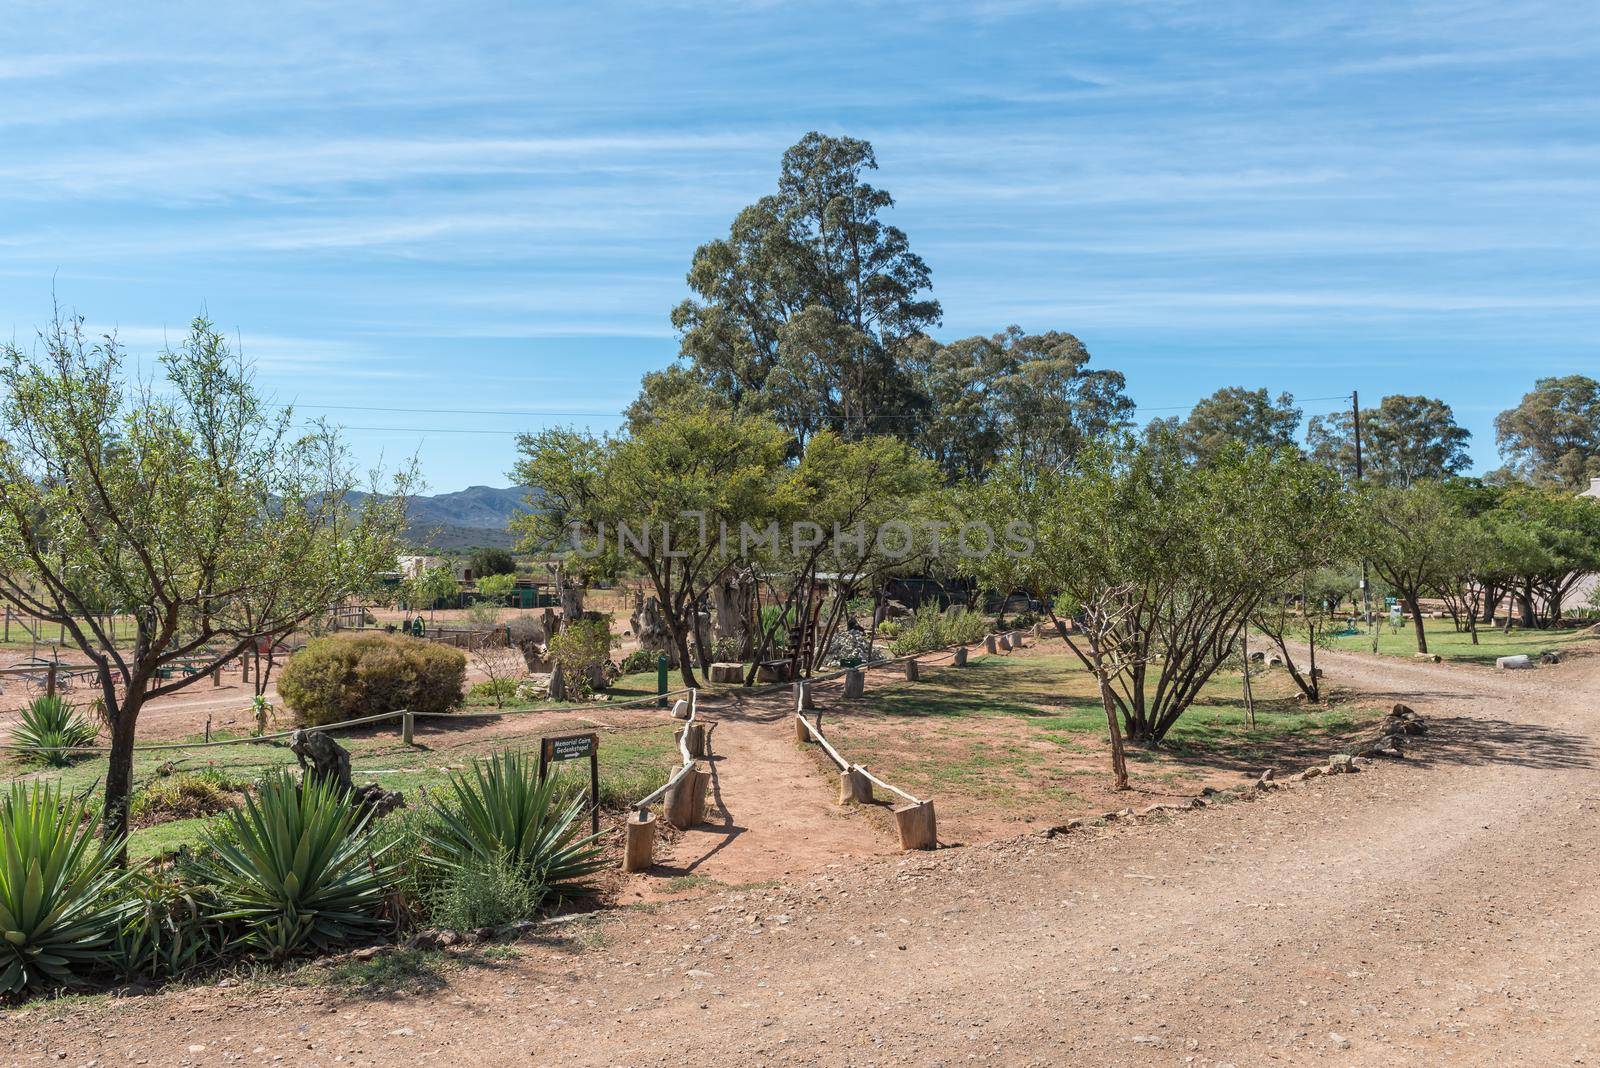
point(802, 311)
point(1410, 536)
point(1250, 417)
point(486, 562)
point(669, 500)
point(1162, 560)
point(429, 587)
point(1404, 440)
point(494, 589)
point(845, 513)
point(1553, 436)
point(1545, 542)
point(193, 505)
point(1030, 397)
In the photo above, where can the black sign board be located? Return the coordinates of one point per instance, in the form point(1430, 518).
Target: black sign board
point(575, 747)
point(571, 747)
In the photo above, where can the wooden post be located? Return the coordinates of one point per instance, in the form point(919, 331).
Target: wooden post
point(244, 667)
point(804, 702)
point(8, 624)
point(702, 792)
point(854, 787)
point(594, 787)
point(917, 826)
point(680, 709)
point(855, 683)
point(800, 732)
point(1004, 643)
point(913, 671)
point(216, 676)
point(685, 804)
point(989, 645)
point(408, 724)
point(639, 845)
point(961, 656)
point(698, 739)
point(1016, 639)
point(50, 679)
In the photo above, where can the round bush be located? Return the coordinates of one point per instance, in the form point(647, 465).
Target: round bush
point(347, 677)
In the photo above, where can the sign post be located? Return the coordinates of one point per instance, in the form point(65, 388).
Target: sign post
point(575, 747)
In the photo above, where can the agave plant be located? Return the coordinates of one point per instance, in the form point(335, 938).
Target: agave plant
point(500, 811)
point(50, 729)
point(59, 906)
point(297, 867)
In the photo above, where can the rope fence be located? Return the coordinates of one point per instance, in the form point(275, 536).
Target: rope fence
point(682, 796)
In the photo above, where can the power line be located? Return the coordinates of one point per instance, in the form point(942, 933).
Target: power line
point(455, 411)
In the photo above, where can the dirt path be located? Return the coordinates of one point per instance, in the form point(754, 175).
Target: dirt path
point(772, 814)
point(1443, 910)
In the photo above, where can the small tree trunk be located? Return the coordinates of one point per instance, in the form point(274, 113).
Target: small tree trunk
point(1119, 760)
point(119, 773)
point(1416, 622)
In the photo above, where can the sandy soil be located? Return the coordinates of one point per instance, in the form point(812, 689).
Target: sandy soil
point(1439, 910)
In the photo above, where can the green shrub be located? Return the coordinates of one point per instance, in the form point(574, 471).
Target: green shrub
point(494, 691)
point(59, 906)
point(639, 661)
point(932, 629)
point(170, 929)
point(783, 618)
point(500, 811)
point(347, 677)
point(579, 648)
point(297, 867)
point(184, 796)
point(485, 893)
point(51, 727)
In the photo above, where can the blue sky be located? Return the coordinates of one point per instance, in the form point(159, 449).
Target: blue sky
point(481, 209)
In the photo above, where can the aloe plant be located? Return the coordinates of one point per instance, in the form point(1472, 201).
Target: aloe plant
point(59, 905)
point(501, 812)
point(298, 867)
point(51, 728)
point(169, 929)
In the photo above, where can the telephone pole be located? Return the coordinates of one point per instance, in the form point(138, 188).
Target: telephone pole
point(1355, 419)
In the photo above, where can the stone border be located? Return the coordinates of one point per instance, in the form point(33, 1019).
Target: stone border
point(1401, 723)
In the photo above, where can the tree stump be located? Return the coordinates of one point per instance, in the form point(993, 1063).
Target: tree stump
point(702, 792)
point(913, 671)
point(990, 646)
point(726, 674)
point(854, 787)
point(1016, 639)
point(1003, 641)
point(699, 739)
point(558, 684)
point(961, 656)
point(685, 803)
point(801, 734)
point(680, 709)
point(638, 852)
point(855, 683)
point(803, 701)
point(917, 826)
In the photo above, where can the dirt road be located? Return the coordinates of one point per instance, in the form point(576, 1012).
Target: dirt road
point(1444, 910)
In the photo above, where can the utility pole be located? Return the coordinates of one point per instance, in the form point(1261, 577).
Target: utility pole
point(1366, 589)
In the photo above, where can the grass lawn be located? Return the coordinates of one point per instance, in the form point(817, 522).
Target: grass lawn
point(1447, 643)
point(633, 762)
point(1027, 734)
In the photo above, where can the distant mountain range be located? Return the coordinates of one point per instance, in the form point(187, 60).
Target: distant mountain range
point(467, 519)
